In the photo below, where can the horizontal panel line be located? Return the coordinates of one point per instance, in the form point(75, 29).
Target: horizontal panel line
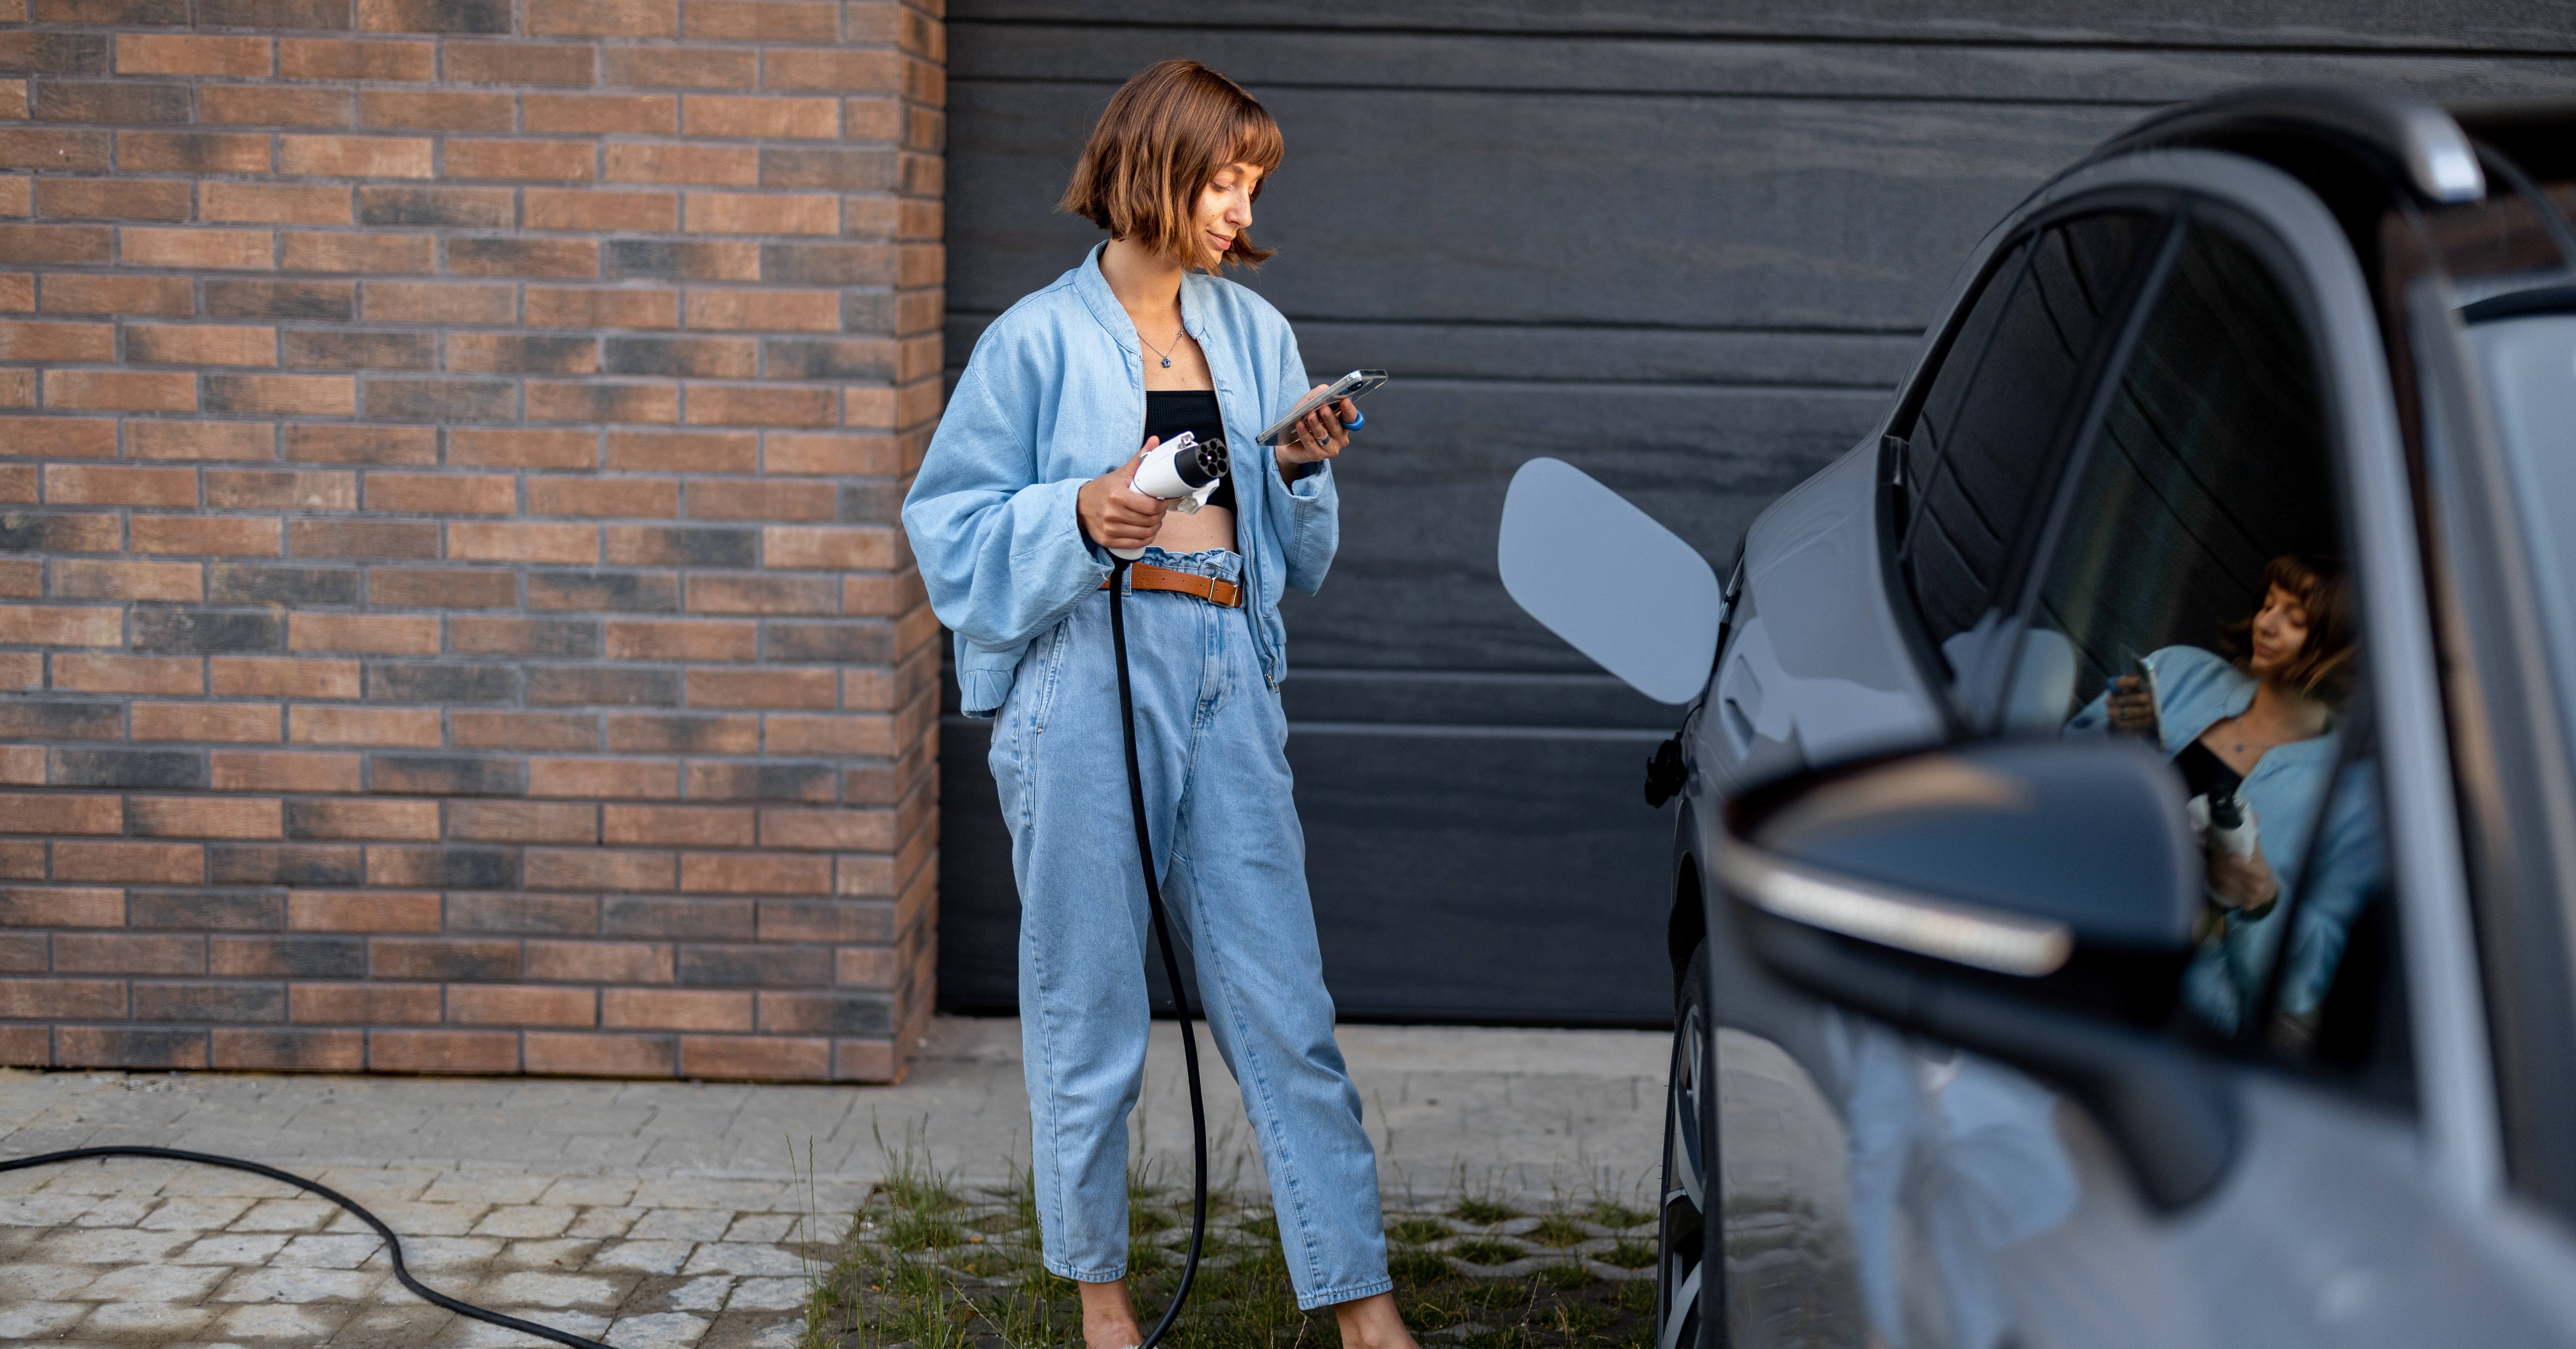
point(1583, 91)
point(2249, 46)
point(1576, 325)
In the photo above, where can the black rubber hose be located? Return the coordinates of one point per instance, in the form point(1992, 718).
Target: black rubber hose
point(393, 1244)
point(1171, 962)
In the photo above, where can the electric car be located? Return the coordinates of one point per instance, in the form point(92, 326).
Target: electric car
point(1988, 1033)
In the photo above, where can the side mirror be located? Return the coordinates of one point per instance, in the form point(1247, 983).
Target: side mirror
point(2028, 900)
point(1618, 587)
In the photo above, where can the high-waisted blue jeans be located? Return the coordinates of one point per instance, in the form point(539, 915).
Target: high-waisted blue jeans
point(1212, 744)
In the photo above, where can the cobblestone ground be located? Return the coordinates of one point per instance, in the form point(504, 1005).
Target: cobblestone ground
point(659, 1213)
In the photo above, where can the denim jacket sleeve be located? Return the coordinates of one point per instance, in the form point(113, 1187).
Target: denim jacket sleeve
point(1002, 554)
point(1306, 518)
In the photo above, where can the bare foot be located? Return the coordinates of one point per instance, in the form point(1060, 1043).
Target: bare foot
point(1372, 1323)
point(1108, 1318)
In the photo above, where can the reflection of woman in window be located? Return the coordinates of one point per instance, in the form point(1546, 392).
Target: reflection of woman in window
point(2262, 729)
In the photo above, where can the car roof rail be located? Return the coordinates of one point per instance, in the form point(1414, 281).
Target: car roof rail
point(2417, 138)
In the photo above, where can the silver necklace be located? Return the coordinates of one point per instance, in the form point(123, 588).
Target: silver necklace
point(1164, 352)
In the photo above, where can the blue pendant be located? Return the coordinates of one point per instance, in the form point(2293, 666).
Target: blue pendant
point(1167, 362)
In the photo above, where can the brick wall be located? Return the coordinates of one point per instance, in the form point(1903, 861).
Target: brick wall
point(452, 614)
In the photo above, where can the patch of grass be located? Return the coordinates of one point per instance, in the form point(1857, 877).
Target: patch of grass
point(1558, 1230)
point(995, 1294)
point(1609, 1214)
point(1631, 1255)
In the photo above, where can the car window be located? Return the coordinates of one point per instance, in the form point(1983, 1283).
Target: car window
point(1995, 414)
point(2197, 597)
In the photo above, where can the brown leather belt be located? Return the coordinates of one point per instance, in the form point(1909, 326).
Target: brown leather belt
point(1225, 594)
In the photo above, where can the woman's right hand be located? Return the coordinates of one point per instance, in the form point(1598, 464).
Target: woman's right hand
point(1113, 513)
point(2132, 708)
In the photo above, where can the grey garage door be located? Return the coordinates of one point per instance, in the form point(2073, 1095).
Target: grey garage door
point(1686, 247)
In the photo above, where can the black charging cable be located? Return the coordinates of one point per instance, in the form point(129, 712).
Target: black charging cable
point(1162, 938)
point(393, 1244)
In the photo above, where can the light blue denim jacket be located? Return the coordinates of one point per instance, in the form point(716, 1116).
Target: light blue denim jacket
point(1053, 397)
point(2287, 790)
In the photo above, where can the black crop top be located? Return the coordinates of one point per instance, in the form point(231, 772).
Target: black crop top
point(1169, 412)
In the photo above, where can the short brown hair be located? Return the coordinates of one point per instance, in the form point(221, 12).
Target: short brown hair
point(1166, 133)
point(2323, 668)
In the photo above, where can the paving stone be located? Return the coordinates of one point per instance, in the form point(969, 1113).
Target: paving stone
point(329, 1252)
point(604, 1222)
point(730, 1195)
point(649, 1257)
point(487, 1187)
point(147, 1318)
point(27, 1320)
point(525, 1220)
point(658, 1330)
point(591, 1191)
point(681, 1225)
point(195, 1213)
point(769, 1294)
point(276, 1321)
point(109, 1246)
point(286, 1215)
point(761, 1227)
point(233, 1248)
point(478, 1335)
point(40, 1283)
point(555, 1254)
point(298, 1285)
point(431, 1253)
point(411, 1218)
point(152, 1283)
point(743, 1258)
point(44, 1210)
point(550, 1290)
point(706, 1293)
point(125, 1210)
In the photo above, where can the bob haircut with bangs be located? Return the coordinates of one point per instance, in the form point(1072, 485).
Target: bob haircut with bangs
point(2323, 668)
point(1165, 135)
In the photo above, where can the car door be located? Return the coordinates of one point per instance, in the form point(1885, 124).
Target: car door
point(2239, 445)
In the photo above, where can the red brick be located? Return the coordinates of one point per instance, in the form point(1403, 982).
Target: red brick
point(522, 541)
point(294, 395)
point(355, 156)
point(523, 821)
point(794, 310)
point(755, 1057)
point(121, 391)
point(196, 248)
point(684, 451)
point(523, 353)
point(602, 401)
point(675, 1009)
point(57, 342)
point(126, 199)
point(691, 734)
point(521, 1005)
point(680, 826)
point(521, 159)
point(524, 636)
point(62, 906)
point(789, 546)
point(275, 203)
point(523, 257)
point(763, 213)
point(314, 1051)
point(442, 493)
point(523, 730)
point(441, 588)
point(82, 294)
point(395, 634)
point(719, 593)
point(82, 484)
point(597, 868)
point(22, 670)
point(47, 999)
point(204, 816)
point(203, 440)
point(589, 209)
point(758, 404)
point(429, 1051)
point(237, 723)
point(624, 497)
point(55, 243)
point(632, 162)
point(363, 818)
point(863, 1061)
point(190, 54)
point(765, 20)
point(130, 674)
point(522, 448)
point(366, 251)
point(282, 677)
point(54, 625)
point(362, 911)
point(201, 344)
point(439, 302)
point(828, 829)
point(440, 109)
point(198, 151)
point(561, 307)
point(687, 67)
point(633, 114)
point(632, 779)
point(681, 639)
point(755, 874)
point(816, 688)
point(86, 580)
point(856, 71)
point(129, 1047)
point(261, 105)
point(371, 1003)
point(64, 437)
point(715, 115)
point(143, 863)
point(570, 1055)
point(124, 953)
point(599, 962)
point(290, 491)
point(247, 771)
point(223, 536)
point(345, 59)
point(874, 967)
point(361, 445)
point(312, 725)
point(519, 62)
point(63, 531)
point(33, 149)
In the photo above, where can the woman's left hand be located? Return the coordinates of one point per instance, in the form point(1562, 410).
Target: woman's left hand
point(2245, 884)
point(1320, 435)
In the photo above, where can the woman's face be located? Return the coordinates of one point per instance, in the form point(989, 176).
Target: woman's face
point(1225, 209)
point(2280, 632)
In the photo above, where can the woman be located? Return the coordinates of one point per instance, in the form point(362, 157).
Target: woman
point(2263, 727)
point(1024, 487)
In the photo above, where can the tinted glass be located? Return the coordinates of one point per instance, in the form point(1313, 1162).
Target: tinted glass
point(1991, 422)
point(2200, 579)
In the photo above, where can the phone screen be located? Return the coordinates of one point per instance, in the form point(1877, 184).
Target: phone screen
point(1353, 385)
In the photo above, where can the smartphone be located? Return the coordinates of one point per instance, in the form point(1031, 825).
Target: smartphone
point(1352, 385)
